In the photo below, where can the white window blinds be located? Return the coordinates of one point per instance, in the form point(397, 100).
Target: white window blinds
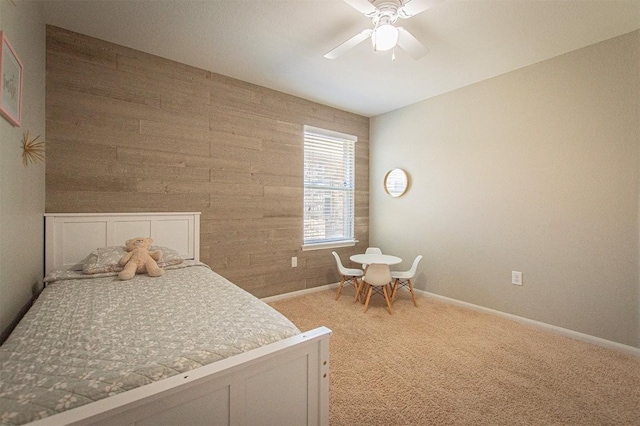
point(329, 186)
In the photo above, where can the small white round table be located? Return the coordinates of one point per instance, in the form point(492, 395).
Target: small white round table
point(368, 259)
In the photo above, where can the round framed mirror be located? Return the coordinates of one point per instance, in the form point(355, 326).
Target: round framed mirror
point(396, 182)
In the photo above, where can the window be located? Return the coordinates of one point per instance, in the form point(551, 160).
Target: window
point(329, 186)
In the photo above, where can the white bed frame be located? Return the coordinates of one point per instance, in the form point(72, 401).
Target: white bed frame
point(284, 383)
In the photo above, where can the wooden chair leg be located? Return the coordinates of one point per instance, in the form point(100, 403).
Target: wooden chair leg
point(357, 286)
point(340, 288)
point(413, 296)
point(396, 284)
point(364, 287)
point(386, 299)
point(366, 303)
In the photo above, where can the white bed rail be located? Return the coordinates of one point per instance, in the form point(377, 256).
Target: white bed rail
point(284, 383)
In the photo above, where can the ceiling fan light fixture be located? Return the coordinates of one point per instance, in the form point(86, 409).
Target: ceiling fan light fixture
point(384, 34)
point(384, 37)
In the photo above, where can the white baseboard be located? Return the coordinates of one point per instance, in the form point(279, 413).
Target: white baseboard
point(632, 350)
point(298, 293)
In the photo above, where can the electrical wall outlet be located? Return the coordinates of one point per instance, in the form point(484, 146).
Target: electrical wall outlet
point(294, 262)
point(516, 277)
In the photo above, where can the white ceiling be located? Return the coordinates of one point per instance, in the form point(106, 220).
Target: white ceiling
point(280, 44)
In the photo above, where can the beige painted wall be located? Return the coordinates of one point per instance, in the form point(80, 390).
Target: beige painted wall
point(536, 171)
point(128, 131)
point(22, 188)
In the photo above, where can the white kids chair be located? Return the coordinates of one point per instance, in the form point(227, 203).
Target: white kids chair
point(377, 277)
point(349, 276)
point(403, 278)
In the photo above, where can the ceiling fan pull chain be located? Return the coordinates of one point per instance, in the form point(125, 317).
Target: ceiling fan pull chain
point(373, 35)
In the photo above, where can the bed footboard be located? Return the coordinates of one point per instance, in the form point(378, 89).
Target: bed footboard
point(284, 383)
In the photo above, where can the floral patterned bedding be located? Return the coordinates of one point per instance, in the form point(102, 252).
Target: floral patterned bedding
point(90, 337)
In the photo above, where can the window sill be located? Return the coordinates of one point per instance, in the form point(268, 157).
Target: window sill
point(329, 245)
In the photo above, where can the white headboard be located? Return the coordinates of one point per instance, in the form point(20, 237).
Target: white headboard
point(70, 237)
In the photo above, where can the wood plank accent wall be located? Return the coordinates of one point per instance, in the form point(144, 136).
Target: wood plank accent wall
point(128, 131)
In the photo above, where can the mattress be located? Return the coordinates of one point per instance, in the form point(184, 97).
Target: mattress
point(91, 337)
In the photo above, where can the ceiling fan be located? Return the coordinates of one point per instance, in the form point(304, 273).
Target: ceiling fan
point(384, 34)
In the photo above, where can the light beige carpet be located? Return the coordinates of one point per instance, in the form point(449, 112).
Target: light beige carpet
point(440, 364)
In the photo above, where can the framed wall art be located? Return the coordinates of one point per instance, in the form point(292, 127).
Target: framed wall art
point(11, 82)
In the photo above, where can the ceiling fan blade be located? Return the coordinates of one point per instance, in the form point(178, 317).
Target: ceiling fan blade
point(349, 44)
point(413, 7)
point(362, 6)
point(410, 44)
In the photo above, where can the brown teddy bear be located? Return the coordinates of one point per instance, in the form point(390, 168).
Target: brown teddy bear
point(140, 259)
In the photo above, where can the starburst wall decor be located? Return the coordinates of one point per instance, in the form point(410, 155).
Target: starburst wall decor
point(32, 150)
